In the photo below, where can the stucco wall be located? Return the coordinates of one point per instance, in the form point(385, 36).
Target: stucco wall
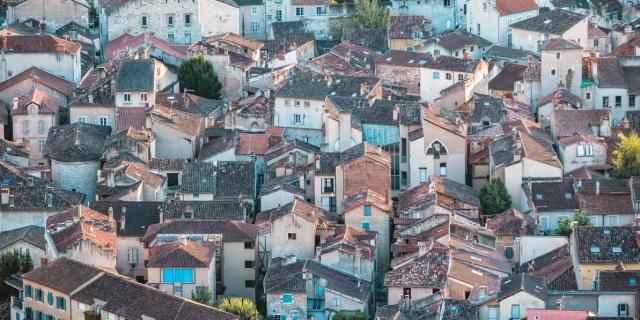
point(76, 176)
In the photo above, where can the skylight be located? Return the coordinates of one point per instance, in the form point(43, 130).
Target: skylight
point(616, 249)
point(606, 231)
point(633, 281)
point(388, 59)
point(547, 21)
point(567, 195)
point(595, 249)
point(422, 61)
point(539, 196)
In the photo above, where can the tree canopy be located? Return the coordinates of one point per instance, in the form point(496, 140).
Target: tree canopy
point(564, 225)
point(626, 162)
point(494, 197)
point(369, 14)
point(202, 294)
point(242, 307)
point(197, 74)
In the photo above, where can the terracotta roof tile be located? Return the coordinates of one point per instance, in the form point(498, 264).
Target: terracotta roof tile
point(187, 254)
point(41, 77)
point(46, 103)
point(507, 7)
point(40, 43)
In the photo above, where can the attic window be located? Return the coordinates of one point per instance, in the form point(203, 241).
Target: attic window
point(567, 195)
point(539, 196)
point(633, 281)
point(595, 249)
point(388, 59)
point(616, 249)
point(606, 231)
point(547, 21)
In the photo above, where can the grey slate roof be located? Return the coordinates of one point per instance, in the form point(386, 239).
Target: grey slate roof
point(33, 235)
point(500, 52)
point(226, 179)
point(372, 39)
point(306, 86)
point(339, 281)
point(534, 286)
point(556, 21)
point(488, 107)
point(231, 231)
point(458, 39)
point(76, 142)
point(136, 75)
point(198, 177)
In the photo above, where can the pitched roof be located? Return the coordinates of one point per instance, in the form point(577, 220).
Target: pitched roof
point(568, 122)
point(136, 75)
point(523, 282)
point(555, 268)
point(507, 7)
point(283, 277)
point(610, 73)
point(459, 38)
point(366, 197)
point(500, 52)
point(505, 80)
point(231, 231)
point(554, 196)
point(340, 282)
point(41, 77)
point(556, 21)
point(560, 95)
point(179, 254)
point(76, 142)
point(350, 240)
point(581, 138)
point(445, 119)
point(36, 43)
point(46, 103)
point(628, 48)
point(127, 41)
point(190, 103)
point(31, 234)
point(559, 44)
point(317, 88)
point(405, 27)
point(127, 117)
point(511, 223)
point(607, 244)
point(235, 39)
point(453, 189)
point(80, 223)
point(64, 275)
point(427, 60)
point(187, 123)
point(619, 280)
point(373, 39)
point(534, 145)
point(163, 164)
point(224, 179)
point(428, 270)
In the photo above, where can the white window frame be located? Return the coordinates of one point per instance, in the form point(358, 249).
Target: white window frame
point(553, 73)
point(126, 97)
point(144, 97)
point(612, 216)
point(544, 226)
point(299, 12)
point(423, 174)
point(254, 10)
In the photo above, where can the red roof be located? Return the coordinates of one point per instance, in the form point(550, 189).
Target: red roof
point(128, 41)
point(257, 144)
point(47, 104)
point(37, 43)
point(507, 7)
point(42, 77)
point(133, 117)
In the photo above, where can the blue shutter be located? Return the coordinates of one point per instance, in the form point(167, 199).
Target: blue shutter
point(167, 276)
point(187, 275)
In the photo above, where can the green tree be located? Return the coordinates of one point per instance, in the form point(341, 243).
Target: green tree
point(564, 225)
point(369, 14)
point(202, 294)
point(197, 74)
point(242, 307)
point(494, 197)
point(342, 315)
point(626, 162)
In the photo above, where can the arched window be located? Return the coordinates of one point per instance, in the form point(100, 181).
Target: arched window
point(436, 149)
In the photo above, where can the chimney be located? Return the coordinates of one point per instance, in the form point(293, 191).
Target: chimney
point(15, 103)
point(396, 112)
point(317, 162)
point(183, 239)
point(123, 219)
point(364, 88)
point(345, 130)
point(12, 200)
point(90, 97)
point(329, 80)
point(49, 199)
point(290, 258)
point(482, 292)
point(4, 196)
point(516, 155)
point(160, 215)
point(422, 248)
point(597, 187)
point(111, 218)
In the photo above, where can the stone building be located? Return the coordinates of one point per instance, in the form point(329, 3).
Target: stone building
point(74, 151)
point(33, 114)
point(56, 13)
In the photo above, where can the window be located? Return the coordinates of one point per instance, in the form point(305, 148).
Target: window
point(423, 175)
point(553, 72)
point(249, 245)
point(460, 77)
point(509, 40)
point(170, 21)
point(366, 225)
point(39, 295)
point(605, 102)
point(249, 264)
point(448, 76)
point(320, 11)
point(249, 283)
point(447, 3)
point(28, 292)
point(297, 119)
point(623, 310)
point(144, 21)
point(593, 220)
point(336, 302)
point(492, 313)
point(50, 298)
point(307, 104)
point(595, 249)
point(126, 97)
point(41, 126)
point(171, 37)
point(41, 144)
point(32, 110)
point(618, 101)
point(612, 221)
point(254, 10)
point(25, 127)
point(187, 19)
point(61, 303)
point(367, 210)
point(329, 203)
point(132, 255)
point(278, 15)
point(299, 12)
point(103, 121)
point(633, 281)
point(443, 169)
point(478, 29)
point(255, 26)
point(143, 97)
point(508, 252)
point(515, 311)
point(287, 298)
point(596, 42)
point(557, 55)
point(544, 223)
point(587, 96)
point(287, 102)
point(177, 275)
point(319, 291)
point(436, 75)
point(81, 119)
point(632, 101)
point(291, 236)
point(327, 185)
point(616, 249)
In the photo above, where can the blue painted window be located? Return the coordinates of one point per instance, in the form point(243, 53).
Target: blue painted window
point(50, 298)
point(320, 291)
point(366, 226)
point(28, 291)
point(367, 210)
point(177, 275)
point(61, 303)
point(633, 281)
point(287, 298)
point(436, 75)
point(39, 295)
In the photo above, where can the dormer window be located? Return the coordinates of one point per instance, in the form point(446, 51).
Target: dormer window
point(595, 249)
point(32, 110)
point(539, 196)
point(616, 249)
point(568, 195)
point(633, 281)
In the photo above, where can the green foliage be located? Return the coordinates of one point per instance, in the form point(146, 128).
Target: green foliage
point(342, 315)
point(202, 294)
point(564, 225)
point(494, 197)
point(197, 74)
point(242, 307)
point(369, 14)
point(627, 157)
point(13, 262)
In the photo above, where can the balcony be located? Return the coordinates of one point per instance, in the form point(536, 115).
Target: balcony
point(91, 315)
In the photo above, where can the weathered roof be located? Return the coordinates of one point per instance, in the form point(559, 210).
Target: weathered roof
point(505, 80)
point(507, 7)
point(618, 280)
point(178, 254)
point(453, 189)
point(64, 275)
point(317, 88)
point(77, 142)
point(501, 52)
point(561, 95)
point(607, 244)
point(37, 43)
point(80, 223)
point(556, 21)
point(610, 73)
point(46, 103)
point(340, 282)
point(231, 231)
point(283, 277)
point(41, 77)
point(426, 60)
point(373, 39)
point(235, 39)
point(31, 234)
point(187, 123)
point(190, 103)
point(366, 197)
point(406, 27)
point(534, 286)
point(298, 207)
point(559, 44)
point(554, 196)
point(511, 223)
point(224, 179)
point(459, 38)
point(428, 270)
point(568, 122)
point(136, 75)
